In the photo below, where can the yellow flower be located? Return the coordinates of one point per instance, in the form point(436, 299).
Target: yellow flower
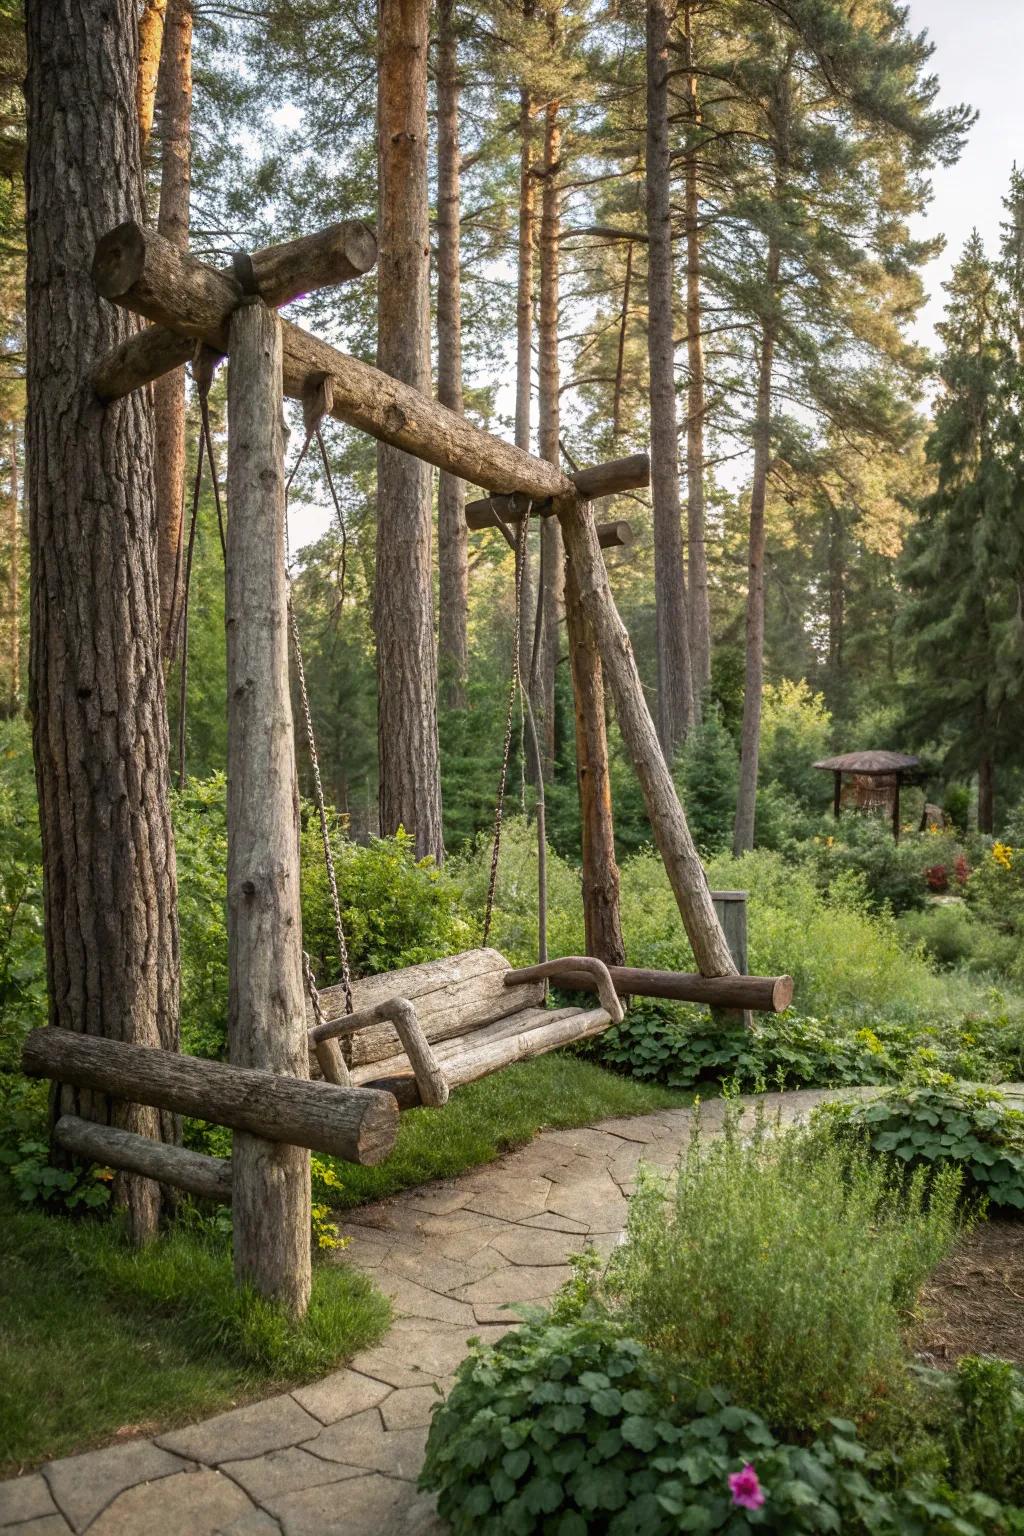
point(1003, 855)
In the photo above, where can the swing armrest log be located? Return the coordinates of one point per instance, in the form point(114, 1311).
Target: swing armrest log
point(400, 1013)
point(584, 970)
point(763, 994)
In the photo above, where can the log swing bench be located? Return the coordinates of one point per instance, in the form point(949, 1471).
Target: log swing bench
point(334, 1080)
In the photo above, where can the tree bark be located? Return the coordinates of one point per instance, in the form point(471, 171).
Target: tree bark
point(14, 578)
point(453, 633)
point(699, 610)
point(750, 735)
point(175, 92)
point(668, 822)
point(986, 795)
point(152, 24)
point(410, 786)
point(524, 346)
point(602, 924)
point(194, 1172)
point(266, 1004)
point(352, 1123)
point(551, 558)
point(97, 693)
point(675, 680)
point(620, 359)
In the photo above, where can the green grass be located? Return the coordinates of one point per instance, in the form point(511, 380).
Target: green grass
point(484, 1119)
point(96, 1338)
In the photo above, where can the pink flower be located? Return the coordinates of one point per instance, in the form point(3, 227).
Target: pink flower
point(747, 1492)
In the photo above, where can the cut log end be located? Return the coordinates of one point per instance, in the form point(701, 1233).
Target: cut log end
point(782, 994)
point(119, 259)
point(360, 244)
point(377, 1131)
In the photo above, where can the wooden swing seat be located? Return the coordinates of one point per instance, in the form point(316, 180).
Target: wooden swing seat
point(422, 1031)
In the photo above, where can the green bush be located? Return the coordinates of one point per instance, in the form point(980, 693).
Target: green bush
point(995, 892)
point(985, 1430)
point(568, 1426)
point(575, 1427)
point(796, 730)
point(783, 1270)
point(972, 1129)
point(893, 873)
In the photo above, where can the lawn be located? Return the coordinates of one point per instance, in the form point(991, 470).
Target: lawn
point(159, 1338)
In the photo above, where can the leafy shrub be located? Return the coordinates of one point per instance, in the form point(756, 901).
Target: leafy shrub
point(25, 1154)
point(996, 893)
point(575, 1427)
point(894, 873)
point(783, 1270)
point(568, 1425)
point(795, 731)
point(985, 1433)
point(970, 1128)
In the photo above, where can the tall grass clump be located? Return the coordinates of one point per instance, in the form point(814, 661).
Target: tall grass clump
point(783, 1270)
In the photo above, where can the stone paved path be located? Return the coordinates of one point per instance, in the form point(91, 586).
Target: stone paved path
point(341, 1457)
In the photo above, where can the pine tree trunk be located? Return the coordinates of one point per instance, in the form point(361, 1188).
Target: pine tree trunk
point(986, 796)
point(14, 578)
point(410, 789)
point(151, 36)
point(100, 723)
point(524, 345)
point(675, 681)
point(551, 560)
point(620, 358)
point(699, 607)
point(451, 522)
point(175, 93)
point(836, 596)
point(750, 735)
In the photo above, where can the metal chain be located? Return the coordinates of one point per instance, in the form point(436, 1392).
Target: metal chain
point(515, 686)
point(314, 758)
point(314, 995)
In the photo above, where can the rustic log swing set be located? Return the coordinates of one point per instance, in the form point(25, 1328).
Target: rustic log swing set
point(385, 1043)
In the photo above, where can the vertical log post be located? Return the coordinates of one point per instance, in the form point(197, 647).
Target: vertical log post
point(731, 911)
point(266, 1012)
point(600, 869)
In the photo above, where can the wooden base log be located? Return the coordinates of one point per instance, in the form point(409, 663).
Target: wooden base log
point(762, 994)
point(665, 813)
point(358, 1124)
point(197, 1174)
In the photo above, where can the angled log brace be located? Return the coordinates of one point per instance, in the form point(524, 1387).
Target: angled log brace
point(400, 1013)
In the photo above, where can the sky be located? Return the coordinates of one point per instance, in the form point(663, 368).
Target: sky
point(979, 45)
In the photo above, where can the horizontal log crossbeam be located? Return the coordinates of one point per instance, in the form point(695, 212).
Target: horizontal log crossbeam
point(110, 1147)
point(630, 474)
point(357, 1124)
point(190, 302)
point(762, 994)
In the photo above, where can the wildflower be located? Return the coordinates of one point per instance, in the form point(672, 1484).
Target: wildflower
point(1003, 855)
point(746, 1491)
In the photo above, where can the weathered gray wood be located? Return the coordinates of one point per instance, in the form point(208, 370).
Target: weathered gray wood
point(617, 535)
point(630, 474)
point(525, 1033)
point(138, 267)
point(599, 979)
point(266, 1000)
point(451, 996)
point(353, 1123)
point(668, 822)
point(763, 994)
point(399, 1012)
point(208, 1177)
point(200, 301)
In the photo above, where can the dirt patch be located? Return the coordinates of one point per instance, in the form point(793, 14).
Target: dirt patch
point(974, 1302)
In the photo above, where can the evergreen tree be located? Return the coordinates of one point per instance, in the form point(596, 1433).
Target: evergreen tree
point(963, 571)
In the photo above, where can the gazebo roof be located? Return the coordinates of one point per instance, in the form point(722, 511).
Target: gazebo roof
point(869, 762)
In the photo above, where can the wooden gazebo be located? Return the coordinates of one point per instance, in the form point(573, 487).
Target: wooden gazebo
point(874, 781)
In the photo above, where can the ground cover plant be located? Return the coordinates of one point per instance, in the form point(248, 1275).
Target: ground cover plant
point(677, 1391)
point(150, 1337)
point(945, 1125)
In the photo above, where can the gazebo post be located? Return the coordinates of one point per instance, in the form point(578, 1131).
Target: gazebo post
point(896, 808)
point(837, 797)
